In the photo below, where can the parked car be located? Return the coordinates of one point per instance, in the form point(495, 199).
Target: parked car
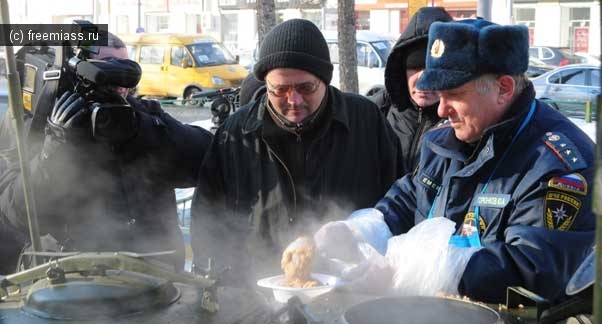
point(588, 58)
point(372, 52)
point(537, 68)
point(557, 56)
point(180, 65)
point(568, 88)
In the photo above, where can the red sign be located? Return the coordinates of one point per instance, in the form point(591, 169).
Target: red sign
point(581, 39)
point(531, 35)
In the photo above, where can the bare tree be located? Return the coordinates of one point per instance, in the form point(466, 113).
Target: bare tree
point(266, 18)
point(347, 46)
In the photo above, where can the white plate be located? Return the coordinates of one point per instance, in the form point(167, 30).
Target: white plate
point(283, 293)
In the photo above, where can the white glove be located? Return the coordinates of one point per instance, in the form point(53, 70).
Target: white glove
point(374, 275)
point(334, 240)
point(341, 239)
point(424, 262)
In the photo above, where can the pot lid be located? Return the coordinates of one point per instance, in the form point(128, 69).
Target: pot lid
point(584, 276)
point(417, 309)
point(118, 293)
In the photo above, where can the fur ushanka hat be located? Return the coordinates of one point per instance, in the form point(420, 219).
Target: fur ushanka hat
point(461, 51)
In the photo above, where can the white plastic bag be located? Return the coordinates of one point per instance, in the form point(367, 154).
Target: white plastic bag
point(423, 261)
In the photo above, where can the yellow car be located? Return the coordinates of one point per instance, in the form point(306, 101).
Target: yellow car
point(180, 65)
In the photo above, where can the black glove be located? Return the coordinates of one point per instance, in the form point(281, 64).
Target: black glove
point(70, 118)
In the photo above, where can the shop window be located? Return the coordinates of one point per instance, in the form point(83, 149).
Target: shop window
point(362, 20)
point(157, 23)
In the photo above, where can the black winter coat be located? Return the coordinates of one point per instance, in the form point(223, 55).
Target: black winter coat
point(97, 197)
point(247, 205)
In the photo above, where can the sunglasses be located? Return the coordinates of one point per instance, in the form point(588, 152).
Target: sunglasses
point(304, 88)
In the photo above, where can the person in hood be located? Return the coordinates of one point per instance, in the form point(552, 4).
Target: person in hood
point(411, 112)
point(302, 152)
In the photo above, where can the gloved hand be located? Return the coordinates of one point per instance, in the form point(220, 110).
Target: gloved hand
point(374, 275)
point(69, 118)
point(334, 240)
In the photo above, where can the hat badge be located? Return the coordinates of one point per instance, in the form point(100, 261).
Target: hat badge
point(438, 48)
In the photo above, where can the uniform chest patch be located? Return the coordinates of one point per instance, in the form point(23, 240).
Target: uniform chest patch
point(429, 182)
point(468, 227)
point(573, 182)
point(560, 209)
point(492, 200)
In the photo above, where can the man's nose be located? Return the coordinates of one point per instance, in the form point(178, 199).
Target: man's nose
point(443, 108)
point(293, 97)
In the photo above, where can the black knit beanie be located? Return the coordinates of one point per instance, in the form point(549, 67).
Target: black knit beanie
point(415, 57)
point(297, 44)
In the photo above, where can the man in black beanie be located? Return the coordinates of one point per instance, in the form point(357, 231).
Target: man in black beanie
point(411, 112)
point(302, 152)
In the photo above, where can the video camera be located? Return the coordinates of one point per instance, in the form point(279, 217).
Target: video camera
point(223, 102)
point(111, 117)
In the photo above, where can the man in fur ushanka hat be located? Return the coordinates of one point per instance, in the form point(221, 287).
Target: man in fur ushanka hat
point(512, 174)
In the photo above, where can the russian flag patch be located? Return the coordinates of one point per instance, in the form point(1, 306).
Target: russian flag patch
point(573, 182)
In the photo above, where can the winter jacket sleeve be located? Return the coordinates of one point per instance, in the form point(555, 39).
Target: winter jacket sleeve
point(179, 148)
point(549, 229)
point(536, 258)
point(12, 205)
point(547, 236)
point(398, 205)
point(13, 222)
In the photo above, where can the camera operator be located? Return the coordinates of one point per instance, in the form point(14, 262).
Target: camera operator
point(102, 193)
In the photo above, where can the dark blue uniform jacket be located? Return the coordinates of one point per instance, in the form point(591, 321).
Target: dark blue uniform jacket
point(536, 221)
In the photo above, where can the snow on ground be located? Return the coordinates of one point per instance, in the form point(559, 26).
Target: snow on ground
point(588, 128)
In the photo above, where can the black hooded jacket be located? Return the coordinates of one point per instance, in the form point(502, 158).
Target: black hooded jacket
point(407, 120)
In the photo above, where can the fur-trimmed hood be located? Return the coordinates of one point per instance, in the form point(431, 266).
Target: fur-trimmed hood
point(416, 31)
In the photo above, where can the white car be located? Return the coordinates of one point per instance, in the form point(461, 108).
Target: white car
point(372, 52)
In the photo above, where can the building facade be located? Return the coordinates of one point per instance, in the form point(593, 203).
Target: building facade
point(564, 23)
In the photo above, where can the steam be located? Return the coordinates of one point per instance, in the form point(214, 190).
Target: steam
point(230, 240)
point(91, 199)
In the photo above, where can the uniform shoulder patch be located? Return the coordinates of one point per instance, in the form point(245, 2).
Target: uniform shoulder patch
point(574, 183)
point(565, 150)
point(560, 210)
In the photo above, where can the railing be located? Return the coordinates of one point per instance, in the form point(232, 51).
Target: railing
point(585, 110)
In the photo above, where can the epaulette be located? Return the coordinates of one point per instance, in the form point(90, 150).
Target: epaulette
point(565, 150)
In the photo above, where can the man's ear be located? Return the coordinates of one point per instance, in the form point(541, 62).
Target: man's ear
point(507, 89)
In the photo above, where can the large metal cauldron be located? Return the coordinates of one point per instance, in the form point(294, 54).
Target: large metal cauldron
point(116, 288)
point(420, 310)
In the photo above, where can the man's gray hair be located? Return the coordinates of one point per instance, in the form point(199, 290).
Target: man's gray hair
point(486, 81)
